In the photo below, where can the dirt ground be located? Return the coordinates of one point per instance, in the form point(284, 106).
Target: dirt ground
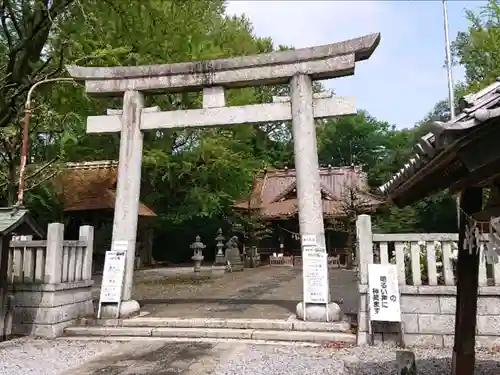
point(264, 292)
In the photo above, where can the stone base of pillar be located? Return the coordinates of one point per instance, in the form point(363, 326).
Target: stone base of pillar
point(237, 266)
point(220, 260)
point(218, 270)
point(318, 313)
point(127, 309)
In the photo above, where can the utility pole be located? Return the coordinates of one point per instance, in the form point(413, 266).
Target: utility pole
point(451, 91)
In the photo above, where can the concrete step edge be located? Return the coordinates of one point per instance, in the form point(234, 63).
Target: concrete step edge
point(220, 333)
point(265, 324)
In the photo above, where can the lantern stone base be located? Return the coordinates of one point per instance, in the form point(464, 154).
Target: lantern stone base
point(218, 270)
point(319, 312)
point(220, 260)
point(127, 309)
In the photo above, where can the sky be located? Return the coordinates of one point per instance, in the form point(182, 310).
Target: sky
point(404, 78)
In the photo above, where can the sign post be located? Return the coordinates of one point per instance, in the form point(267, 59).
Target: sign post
point(112, 277)
point(315, 274)
point(383, 293)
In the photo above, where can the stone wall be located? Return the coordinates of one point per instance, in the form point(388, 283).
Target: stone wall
point(46, 309)
point(428, 316)
point(51, 282)
point(428, 293)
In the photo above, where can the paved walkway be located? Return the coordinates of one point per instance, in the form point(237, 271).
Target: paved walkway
point(265, 292)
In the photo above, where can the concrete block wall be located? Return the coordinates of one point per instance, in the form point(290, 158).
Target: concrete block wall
point(46, 309)
point(51, 282)
point(428, 317)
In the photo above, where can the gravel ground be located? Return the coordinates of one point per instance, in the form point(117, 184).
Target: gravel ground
point(276, 360)
point(263, 292)
point(28, 356)
point(430, 361)
point(293, 360)
point(61, 357)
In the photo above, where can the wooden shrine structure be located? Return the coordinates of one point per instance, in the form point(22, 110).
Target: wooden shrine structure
point(461, 155)
point(274, 200)
point(87, 191)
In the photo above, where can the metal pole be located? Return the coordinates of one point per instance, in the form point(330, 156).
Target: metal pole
point(451, 94)
point(25, 145)
point(451, 91)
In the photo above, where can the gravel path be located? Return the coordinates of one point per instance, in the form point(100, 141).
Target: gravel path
point(264, 292)
point(294, 360)
point(139, 357)
point(28, 356)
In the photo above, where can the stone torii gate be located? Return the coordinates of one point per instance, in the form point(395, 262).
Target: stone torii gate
point(296, 67)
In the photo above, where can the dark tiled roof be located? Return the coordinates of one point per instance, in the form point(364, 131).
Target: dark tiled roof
point(477, 109)
point(272, 192)
point(13, 217)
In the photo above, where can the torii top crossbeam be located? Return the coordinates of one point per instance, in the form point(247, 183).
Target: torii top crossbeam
point(321, 62)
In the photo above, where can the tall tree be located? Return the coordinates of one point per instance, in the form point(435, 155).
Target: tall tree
point(26, 27)
point(477, 49)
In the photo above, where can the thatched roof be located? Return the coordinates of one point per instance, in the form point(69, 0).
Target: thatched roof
point(274, 192)
point(91, 186)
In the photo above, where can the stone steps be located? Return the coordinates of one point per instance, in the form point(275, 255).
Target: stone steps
point(242, 329)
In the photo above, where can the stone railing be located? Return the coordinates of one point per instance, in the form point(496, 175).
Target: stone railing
point(281, 261)
point(425, 265)
point(51, 281)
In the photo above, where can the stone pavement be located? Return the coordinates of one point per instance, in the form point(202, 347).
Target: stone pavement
point(159, 358)
point(264, 292)
point(224, 358)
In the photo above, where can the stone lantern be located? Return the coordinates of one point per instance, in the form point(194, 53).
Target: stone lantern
point(220, 258)
point(197, 257)
point(219, 266)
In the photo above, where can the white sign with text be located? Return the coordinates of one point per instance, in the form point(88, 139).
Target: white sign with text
point(112, 277)
point(309, 240)
point(315, 274)
point(383, 293)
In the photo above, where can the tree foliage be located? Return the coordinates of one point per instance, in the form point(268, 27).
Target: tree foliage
point(191, 177)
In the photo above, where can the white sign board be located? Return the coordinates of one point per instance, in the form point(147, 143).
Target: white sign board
point(112, 277)
point(383, 292)
point(119, 246)
point(315, 274)
point(309, 240)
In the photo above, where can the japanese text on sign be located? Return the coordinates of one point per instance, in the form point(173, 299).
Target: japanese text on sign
point(309, 240)
point(315, 273)
point(112, 277)
point(383, 293)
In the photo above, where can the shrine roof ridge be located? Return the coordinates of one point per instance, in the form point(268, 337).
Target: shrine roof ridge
point(362, 48)
point(477, 108)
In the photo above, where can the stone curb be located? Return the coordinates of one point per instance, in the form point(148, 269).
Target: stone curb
point(214, 323)
point(217, 333)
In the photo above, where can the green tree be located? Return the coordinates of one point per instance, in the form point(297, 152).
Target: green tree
point(26, 28)
point(190, 177)
point(477, 49)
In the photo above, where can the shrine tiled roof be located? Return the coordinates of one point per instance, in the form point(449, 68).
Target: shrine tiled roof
point(274, 194)
point(477, 109)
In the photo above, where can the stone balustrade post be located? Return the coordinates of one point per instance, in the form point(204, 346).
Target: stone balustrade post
point(54, 255)
point(365, 246)
point(87, 235)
